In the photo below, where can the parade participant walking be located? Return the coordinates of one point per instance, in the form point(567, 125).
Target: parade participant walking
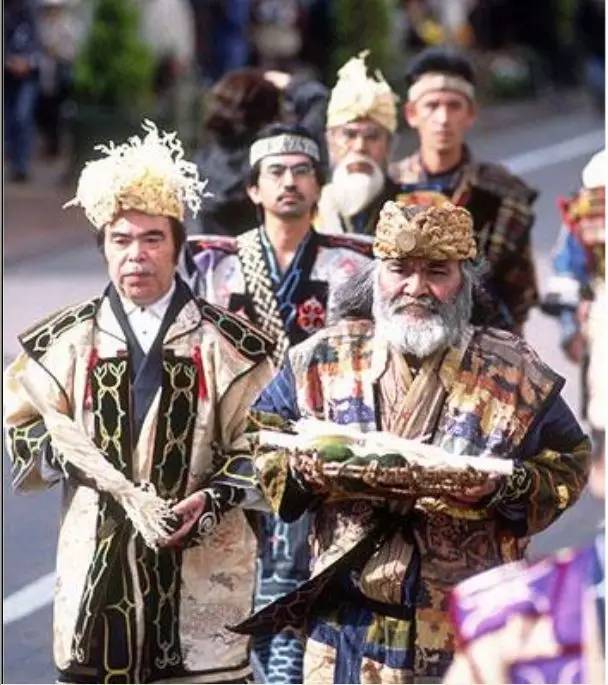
point(361, 120)
point(541, 622)
point(576, 292)
point(402, 358)
point(280, 275)
point(441, 108)
point(137, 402)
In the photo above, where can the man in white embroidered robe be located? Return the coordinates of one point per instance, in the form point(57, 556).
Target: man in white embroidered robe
point(160, 382)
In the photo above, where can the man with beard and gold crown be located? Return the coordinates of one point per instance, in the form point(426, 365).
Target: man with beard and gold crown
point(361, 120)
point(402, 365)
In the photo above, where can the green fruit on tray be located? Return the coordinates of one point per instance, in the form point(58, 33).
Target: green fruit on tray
point(335, 453)
point(392, 460)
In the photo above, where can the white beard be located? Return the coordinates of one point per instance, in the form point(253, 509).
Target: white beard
point(353, 191)
point(412, 335)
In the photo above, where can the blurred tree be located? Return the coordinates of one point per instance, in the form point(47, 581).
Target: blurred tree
point(114, 68)
point(364, 26)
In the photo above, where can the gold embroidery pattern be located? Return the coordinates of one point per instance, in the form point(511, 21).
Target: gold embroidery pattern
point(179, 416)
point(38, 339)
point(109, 414)
point(262, 293)
point(166, 624)
point(27, 444)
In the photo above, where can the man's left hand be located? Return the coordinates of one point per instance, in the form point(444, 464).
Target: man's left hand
point(472, 495)
point(190, 510)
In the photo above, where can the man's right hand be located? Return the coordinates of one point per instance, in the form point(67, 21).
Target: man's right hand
point(576, 347)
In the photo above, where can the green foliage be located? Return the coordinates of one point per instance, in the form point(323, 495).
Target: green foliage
point(362, 25)
point(114, 68)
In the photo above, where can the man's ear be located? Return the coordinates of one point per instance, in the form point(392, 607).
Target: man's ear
point(410, 114)
point(472, 114)
point(254, 194)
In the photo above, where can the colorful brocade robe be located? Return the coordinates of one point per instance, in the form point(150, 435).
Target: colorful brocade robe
point(375, 608)
point(501, 205)
point(533, 623)
point(123, 612)
point(242, 274)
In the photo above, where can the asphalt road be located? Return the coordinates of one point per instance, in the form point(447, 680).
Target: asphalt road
point(37, 286)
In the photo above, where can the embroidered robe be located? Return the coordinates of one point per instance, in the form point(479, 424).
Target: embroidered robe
point(243, 275)
point(375, 609)
point(122, 612)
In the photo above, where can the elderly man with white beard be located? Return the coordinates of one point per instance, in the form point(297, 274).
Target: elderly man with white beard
point(403, 358)
point(361, 120)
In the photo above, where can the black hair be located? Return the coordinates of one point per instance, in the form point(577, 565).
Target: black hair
point(273, 130)
point(178, 231)
point(440, 59)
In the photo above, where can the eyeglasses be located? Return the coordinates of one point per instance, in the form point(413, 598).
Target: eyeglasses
point(275, 172)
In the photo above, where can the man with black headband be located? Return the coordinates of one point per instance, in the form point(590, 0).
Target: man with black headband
point(279, 276)
point(441, 108)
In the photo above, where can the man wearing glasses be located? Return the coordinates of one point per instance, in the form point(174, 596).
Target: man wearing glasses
point(361, 120)
point(279, 276)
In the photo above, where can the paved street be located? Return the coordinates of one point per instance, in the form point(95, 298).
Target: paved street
point(52, 261)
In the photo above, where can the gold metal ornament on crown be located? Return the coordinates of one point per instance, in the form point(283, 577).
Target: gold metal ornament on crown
point(439, 233)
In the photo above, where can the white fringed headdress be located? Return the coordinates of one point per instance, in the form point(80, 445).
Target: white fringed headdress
point(357, 96)
point(149, 175)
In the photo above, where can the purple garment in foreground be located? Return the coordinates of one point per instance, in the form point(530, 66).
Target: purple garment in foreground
point(530, 618)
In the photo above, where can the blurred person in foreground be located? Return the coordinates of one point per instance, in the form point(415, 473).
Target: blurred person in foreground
point(361, 121)
point(136, 401)
point(542, 622)
point(576, 292)
point(239, 105)
point(403, 358)
point(21, 67)
point(441, 107)
point(280, 276)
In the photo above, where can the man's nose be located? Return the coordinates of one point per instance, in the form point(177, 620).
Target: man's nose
point(416, 285)
point(360, 144)
point(135, 251)
point(288, 178)
point(441, 114)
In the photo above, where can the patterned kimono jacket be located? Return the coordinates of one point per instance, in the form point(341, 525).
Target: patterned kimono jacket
point(375, 608)
point(543, 623)
point(174, 417)
point(501, 207)
point(242, 274)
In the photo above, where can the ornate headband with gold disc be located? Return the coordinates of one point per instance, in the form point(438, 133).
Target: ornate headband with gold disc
point(437, 233)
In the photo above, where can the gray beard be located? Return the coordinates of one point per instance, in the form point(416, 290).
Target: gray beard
point(421, 337)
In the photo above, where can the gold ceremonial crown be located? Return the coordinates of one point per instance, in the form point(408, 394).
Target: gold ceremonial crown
point(149, 175)
point(438, 233)
point(356, 96)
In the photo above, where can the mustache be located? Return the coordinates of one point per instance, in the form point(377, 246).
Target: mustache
point(135, 270)
point(402, 302)
point(291, 193)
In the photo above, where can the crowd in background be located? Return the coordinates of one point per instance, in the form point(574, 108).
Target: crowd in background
point(526, 50)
